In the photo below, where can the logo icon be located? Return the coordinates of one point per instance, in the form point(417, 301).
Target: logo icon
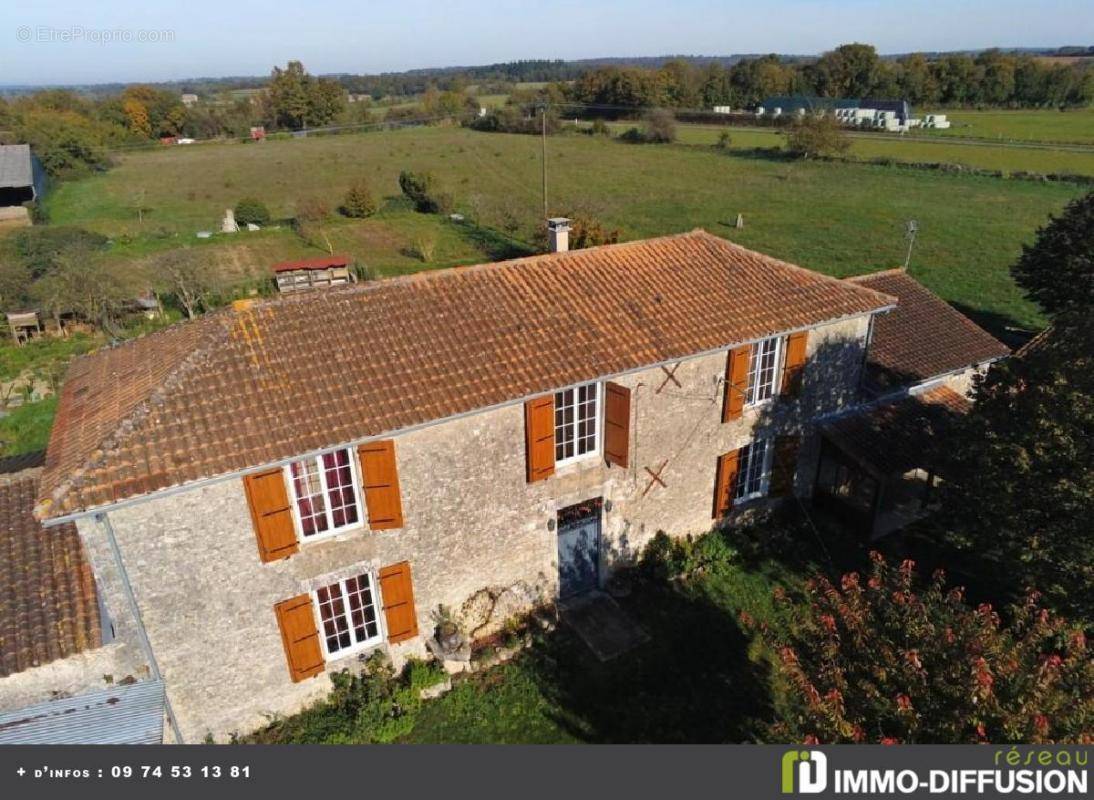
point(807, 768)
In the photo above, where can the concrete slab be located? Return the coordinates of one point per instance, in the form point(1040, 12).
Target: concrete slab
point(602, 625)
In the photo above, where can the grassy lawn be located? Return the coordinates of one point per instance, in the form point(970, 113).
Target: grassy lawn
point(41, 352)
point(842, 219)
point(700, 678)
point(922, 149)
point(26, 429)
point(1075, 125)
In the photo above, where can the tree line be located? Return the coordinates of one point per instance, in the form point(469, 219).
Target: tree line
point(991, 78)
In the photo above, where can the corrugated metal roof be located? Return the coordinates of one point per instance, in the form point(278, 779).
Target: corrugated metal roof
point(131, 714)
point(15, 169)
point(322, 262)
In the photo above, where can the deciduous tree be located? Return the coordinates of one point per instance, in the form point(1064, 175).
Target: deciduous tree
point(1019, 489)
point(1057, 270)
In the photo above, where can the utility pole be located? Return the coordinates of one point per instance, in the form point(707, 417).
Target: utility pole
point(543, 137)
point(912, 230)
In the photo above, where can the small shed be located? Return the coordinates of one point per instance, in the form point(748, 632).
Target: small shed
point(25, 325)
point(312, 273)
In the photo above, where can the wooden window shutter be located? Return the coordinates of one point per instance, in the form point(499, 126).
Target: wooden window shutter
point(300, 636)
point(617, 424)
point(397, 592)
point(736, 382)
point(784, 465)
point(539, 437)
point(380, 477)
point(725, 482)
point(271, 514)
point(794, 365)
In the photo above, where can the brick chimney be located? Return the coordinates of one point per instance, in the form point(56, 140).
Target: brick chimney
point(558, 234)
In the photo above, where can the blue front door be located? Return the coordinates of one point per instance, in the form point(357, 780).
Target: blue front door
point(578, 549)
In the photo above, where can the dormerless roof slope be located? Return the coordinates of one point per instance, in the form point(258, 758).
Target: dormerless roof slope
point(923, 337)
point(242, 388)
point(48, 605)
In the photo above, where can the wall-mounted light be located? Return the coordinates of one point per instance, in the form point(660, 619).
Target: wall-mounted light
point(551, 524)
point(607, 505)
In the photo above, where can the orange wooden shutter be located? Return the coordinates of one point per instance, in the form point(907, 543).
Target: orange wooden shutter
point(380, 477)
point(397, 592)
point(539, 437)
point(794, 366)
point(725, 483)
point(300, 636)
point(736, 382)
point(617, 424)
point(271, 514)
point(784, 465)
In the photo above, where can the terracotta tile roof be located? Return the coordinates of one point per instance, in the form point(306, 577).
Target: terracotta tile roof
point(241, 388)
point(48, 603)
point(923, 337)
point(896, 437)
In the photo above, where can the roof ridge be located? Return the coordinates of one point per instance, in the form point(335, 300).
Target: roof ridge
point(216, 323)
point(428, 276)
point(889, 299)
point(963, 319)
point(867, 275)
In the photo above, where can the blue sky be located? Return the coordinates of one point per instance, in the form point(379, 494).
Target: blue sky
point(50, 41)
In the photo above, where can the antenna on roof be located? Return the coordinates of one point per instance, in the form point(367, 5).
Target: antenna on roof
point(910, 231)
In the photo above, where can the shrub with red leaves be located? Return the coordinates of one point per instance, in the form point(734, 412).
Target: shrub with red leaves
point(891, 659)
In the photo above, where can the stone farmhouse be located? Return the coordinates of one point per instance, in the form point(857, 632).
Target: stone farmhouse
point(267, 493)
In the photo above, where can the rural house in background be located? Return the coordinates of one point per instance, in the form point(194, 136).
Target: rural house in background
point(270, 491)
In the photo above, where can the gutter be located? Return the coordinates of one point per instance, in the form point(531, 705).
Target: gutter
point(146, 645)
point(239, 473)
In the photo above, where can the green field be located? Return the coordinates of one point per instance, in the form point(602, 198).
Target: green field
point(1076, 125)
point(842, 219)
point(1007, 158)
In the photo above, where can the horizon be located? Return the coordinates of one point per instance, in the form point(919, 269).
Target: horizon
point(66, 45)
point(456, 67)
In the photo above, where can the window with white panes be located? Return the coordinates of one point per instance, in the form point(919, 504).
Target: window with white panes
point(325, 493)
point(752, 470)
point(577, 422)
point(764, 364)
point(348, 615)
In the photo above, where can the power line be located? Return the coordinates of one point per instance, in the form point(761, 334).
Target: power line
point(332, 129)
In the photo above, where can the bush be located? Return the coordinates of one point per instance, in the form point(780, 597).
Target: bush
point(811, 136)
point(422, 190)
point(375, 706)
point(660, 127)
point(886, 658)
point(600, 128)
point(359, 202)
point(724, 141)
point(40, 248)
point(250, 211)
point(512, 119)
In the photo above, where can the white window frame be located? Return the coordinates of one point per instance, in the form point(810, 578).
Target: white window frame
point(358, 645)
point(331, 530)
point(598, 410)
point(753, 387)
point(743, 470)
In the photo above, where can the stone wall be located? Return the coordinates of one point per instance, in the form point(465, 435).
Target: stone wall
point(471, 522)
